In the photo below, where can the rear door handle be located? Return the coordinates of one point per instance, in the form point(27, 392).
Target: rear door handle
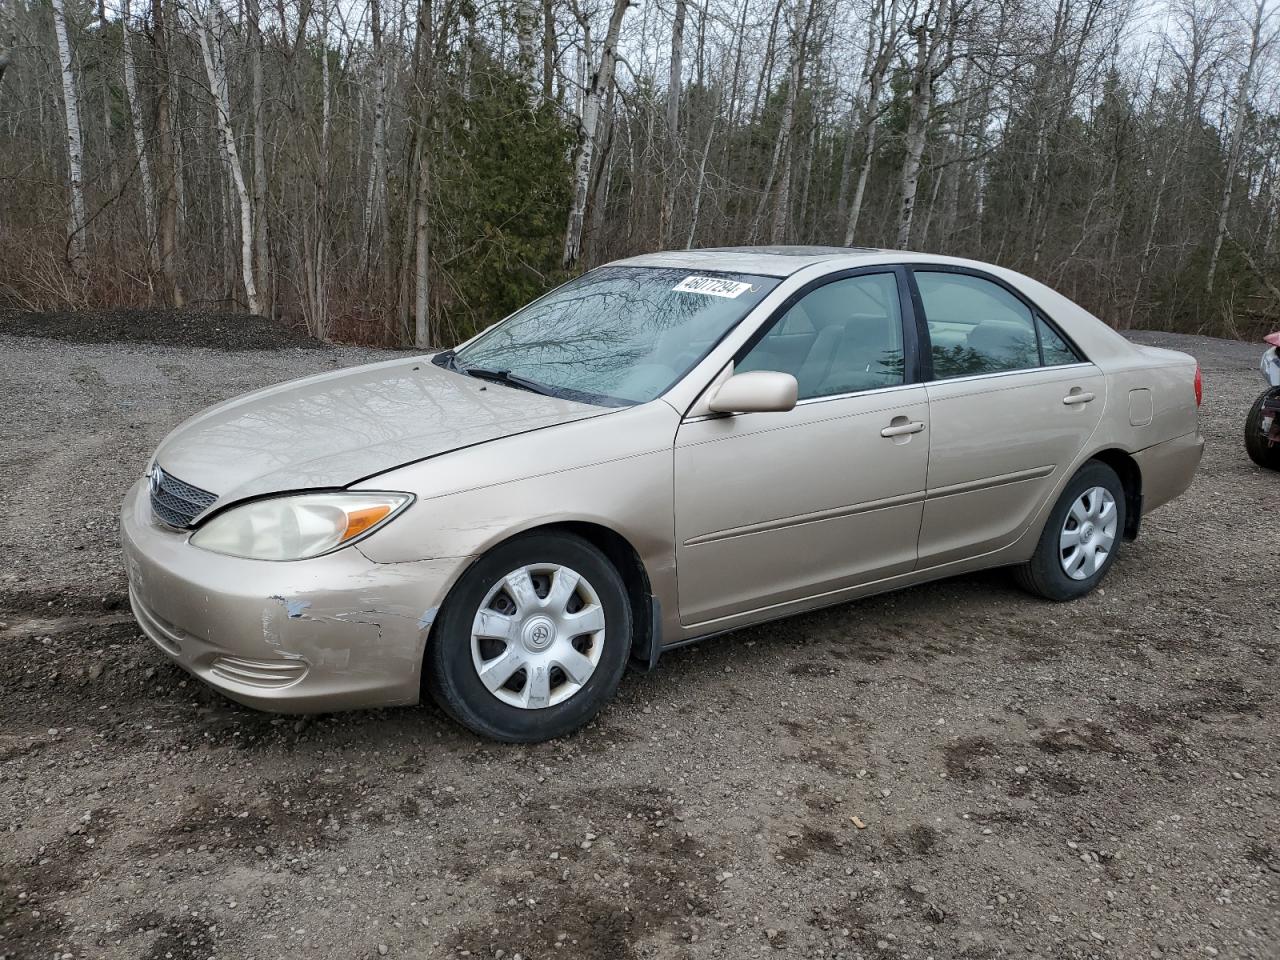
point(901, 429)
point(1071, 399)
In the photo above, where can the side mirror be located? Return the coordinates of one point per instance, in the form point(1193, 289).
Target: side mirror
point(756, 391)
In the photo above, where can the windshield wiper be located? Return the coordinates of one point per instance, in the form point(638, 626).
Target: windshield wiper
point(449, 360)
point(508, 378)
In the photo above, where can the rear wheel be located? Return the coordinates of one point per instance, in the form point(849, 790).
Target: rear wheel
point(533, 640)
point(1081, 537)
point(1263, 452)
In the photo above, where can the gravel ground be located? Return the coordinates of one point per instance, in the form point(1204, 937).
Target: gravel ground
point(956, 770)
point(166, 328)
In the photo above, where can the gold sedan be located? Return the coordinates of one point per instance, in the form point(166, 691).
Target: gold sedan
point(668, 447)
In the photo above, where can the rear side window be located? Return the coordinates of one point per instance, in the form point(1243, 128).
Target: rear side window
point(976, 326)
point(842, 337)
point(1056, 351)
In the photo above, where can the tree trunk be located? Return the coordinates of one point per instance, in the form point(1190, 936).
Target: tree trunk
point(422, 240)
point(216, 69)
point(316, 218)
point(671, 177)
point(806, 180)
point(423, 75)
point(697, 193)
point(548, 50)
point(1238, 119)
point(928, 47)
point(527, 17)
point(76, 225)
point(598, 197)
point(166, 166)
point(734, 81)
point(601, 82)
point(376, 186)
point(780, 166)
point(139, 138)
point(262, 274)
point(860, 192)
point(113, 169)
point(886, 26)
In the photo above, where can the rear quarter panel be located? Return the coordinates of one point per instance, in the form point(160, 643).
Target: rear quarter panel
point(1152, 395)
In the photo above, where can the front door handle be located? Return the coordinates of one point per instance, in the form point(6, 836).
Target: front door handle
point(902, 429)
point(1075, 397)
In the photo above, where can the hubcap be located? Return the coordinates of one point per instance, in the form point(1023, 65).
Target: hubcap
point(538, 635)
point(1088, 533)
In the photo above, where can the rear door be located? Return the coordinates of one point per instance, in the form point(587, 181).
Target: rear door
point(776, 507)
point(1011, 403)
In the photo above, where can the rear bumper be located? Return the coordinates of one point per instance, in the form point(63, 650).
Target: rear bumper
point(331, 633)
point(1168, 468)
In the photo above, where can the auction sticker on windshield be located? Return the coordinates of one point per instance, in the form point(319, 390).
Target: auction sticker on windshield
point(712, 286)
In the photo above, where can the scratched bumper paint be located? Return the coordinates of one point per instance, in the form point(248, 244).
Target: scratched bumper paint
point(334, 632)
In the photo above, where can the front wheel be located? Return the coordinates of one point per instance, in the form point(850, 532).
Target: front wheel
point(1080, 539)
point(532, 641)
point(1262, 450)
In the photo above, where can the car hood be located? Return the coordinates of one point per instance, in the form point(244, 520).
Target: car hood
point(336, 428)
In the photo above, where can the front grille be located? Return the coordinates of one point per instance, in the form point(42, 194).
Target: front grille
point(174, 502)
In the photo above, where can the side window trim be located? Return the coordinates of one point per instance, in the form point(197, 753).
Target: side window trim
point(922, 324)
point(909, 318)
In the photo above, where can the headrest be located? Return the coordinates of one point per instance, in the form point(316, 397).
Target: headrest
point(997, 336)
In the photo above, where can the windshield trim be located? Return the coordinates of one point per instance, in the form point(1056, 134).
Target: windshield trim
point(454, 362)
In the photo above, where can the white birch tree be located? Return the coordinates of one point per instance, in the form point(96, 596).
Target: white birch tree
point(139, 137)
point(76, 242)
point(601, 83)
point(208, 28)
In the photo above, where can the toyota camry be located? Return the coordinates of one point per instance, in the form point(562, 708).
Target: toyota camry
point(668, 447)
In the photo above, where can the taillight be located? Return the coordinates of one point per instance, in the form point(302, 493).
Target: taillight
point(1199, 386)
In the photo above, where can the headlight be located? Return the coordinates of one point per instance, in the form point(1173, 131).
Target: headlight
point(298, 527)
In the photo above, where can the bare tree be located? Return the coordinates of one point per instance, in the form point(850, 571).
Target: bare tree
point(399, 180)
point(674, 84)
point(139, 137)
point(257, 109)
point(601, 83)
point(935, 36)
point(376, 185)
point(75, 155)
point(1262, 35)
point(167, 165)
point(209, 28)
point(882, 41)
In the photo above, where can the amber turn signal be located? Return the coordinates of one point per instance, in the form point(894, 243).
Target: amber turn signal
point(363, 518)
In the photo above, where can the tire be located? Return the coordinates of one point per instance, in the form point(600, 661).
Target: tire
point(1046, 574)
point(492, 622)
point(1260, 451)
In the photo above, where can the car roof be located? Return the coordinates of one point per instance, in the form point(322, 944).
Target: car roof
point(778, 261)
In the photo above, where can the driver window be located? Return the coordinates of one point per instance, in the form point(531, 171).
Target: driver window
point(843, 337)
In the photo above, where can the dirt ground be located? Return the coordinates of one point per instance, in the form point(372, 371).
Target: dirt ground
point(1094, 779)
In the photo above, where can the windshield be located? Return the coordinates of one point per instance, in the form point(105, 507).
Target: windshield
point(617, 335)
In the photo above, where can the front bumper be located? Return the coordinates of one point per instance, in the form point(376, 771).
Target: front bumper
point(331, 633)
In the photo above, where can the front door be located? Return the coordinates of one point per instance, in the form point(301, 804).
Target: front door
point(777, 507)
